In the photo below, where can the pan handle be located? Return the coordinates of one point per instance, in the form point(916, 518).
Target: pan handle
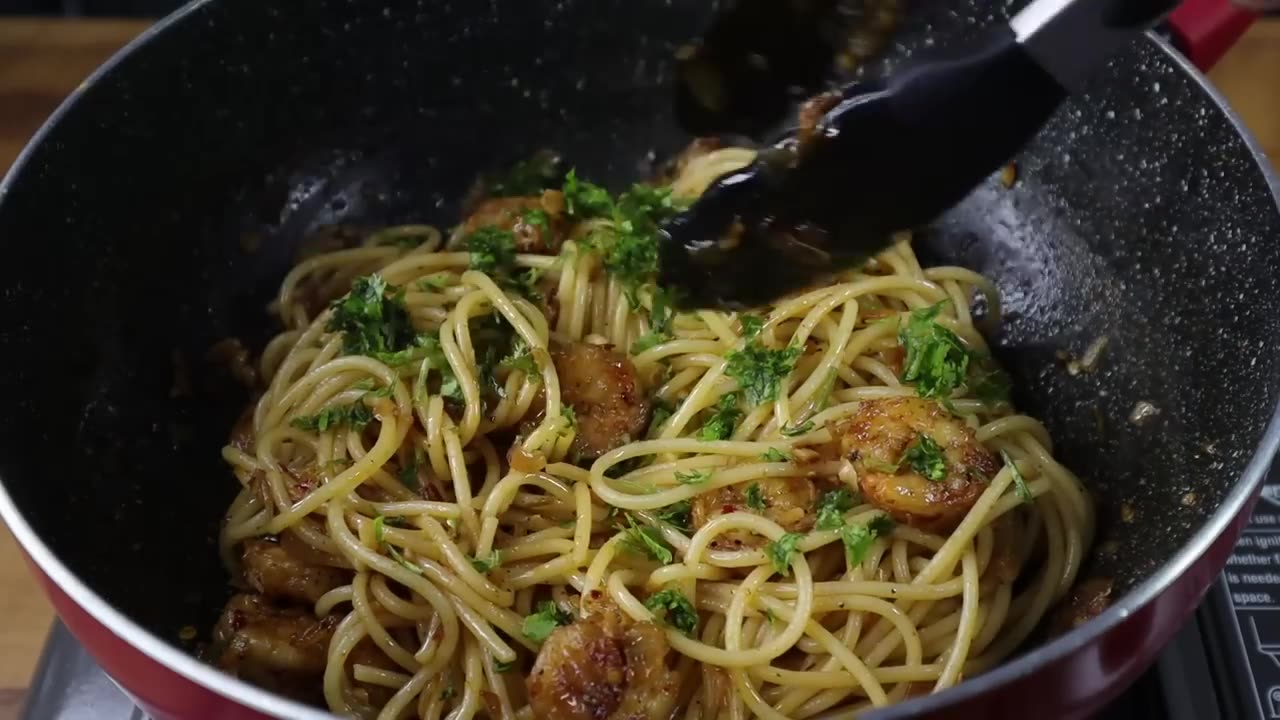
point(1204, 30)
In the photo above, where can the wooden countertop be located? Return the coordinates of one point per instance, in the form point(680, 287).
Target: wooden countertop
point(42, 60)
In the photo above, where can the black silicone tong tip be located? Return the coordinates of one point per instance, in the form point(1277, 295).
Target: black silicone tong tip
point(888, 156)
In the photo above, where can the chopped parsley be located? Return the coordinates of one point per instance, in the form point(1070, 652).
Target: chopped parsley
point(583, 199)
point(673, 608)
point(794, 430)
point(925, 457)
point(493, 251)
point(484, 564)
point(648, 341)
point(528, 177)
point(630, 244)
point(832, 507)
point(570, 415)
point(1019, 483)
point(380, 534)
point(857, 539)
point(751, 325)
point(661, 313)
point(435, 281)
point(503, 667)
point(989, 383)
point(697, 477)
point(373, 319)
point(633, 257)
point(755, 497)
point(645, 205)
point(539, 626)
point(936, 361)
point(408, 474)
point(677, 515)
point(660, 414)
point(536, 217)
point(354, 415)
point(448, 693)
point(521, 358)
point(760, 370)
point(775, 455)
point(823, 396)
point(724, 418)
point(660, 316)
point(647, 541)
point(779, 552)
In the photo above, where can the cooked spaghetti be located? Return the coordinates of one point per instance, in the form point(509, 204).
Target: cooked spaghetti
point(497, 475)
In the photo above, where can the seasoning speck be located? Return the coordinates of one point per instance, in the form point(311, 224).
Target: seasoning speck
point(187, 633)
point(1009, 175)
point(1142, 412)
point(1126, 512)
point(1190, 499)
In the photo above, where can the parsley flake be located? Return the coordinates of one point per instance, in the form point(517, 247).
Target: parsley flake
point(408, 474)
point(724, 418)
point(647, 541)
point(493, 251)
point(354, 415)
point(435, 281)
point(925, 458)
point(697, 477)
point(673, 608)
point(794, 430)
point(760, 370)
point(990, 384)
point(832, 507)
point(660, 414)
point(647, 342)
point(779, 552)
point(775, 455)
point(529, 177)
point(751, 325)
point(380, 534)
point(484, 564)
point(539, 626)
point(536, 217)
point(755, 497)
point(677, 515)
point(857, 539)
point(936, 361)
point(1019, 483)
point(373, 319)
point(584, 199)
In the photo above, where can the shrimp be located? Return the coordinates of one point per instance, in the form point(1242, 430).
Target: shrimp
point(876, 440)
point(605, 666)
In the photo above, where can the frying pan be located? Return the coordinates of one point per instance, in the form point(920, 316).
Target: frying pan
point(158, 209)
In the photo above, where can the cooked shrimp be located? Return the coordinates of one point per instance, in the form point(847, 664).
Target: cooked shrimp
point(876, 440)
point(541, 235)
point(282, 649)
point(275, 572)
point(603, 388)
point(603, 666)
point(790, 502)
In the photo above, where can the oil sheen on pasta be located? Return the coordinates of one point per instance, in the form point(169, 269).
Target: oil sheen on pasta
point(493, 474)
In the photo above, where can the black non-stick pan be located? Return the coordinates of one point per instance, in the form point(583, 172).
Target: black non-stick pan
point(158, 210)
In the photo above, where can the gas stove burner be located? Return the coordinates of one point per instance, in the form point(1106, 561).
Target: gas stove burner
point(69, 685)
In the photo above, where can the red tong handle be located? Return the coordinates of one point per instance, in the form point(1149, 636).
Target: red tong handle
point(1204, 30)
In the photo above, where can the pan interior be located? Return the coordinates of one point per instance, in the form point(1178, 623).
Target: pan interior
point(160, 212)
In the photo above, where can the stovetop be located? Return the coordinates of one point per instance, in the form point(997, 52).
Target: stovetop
point(1223, 665)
